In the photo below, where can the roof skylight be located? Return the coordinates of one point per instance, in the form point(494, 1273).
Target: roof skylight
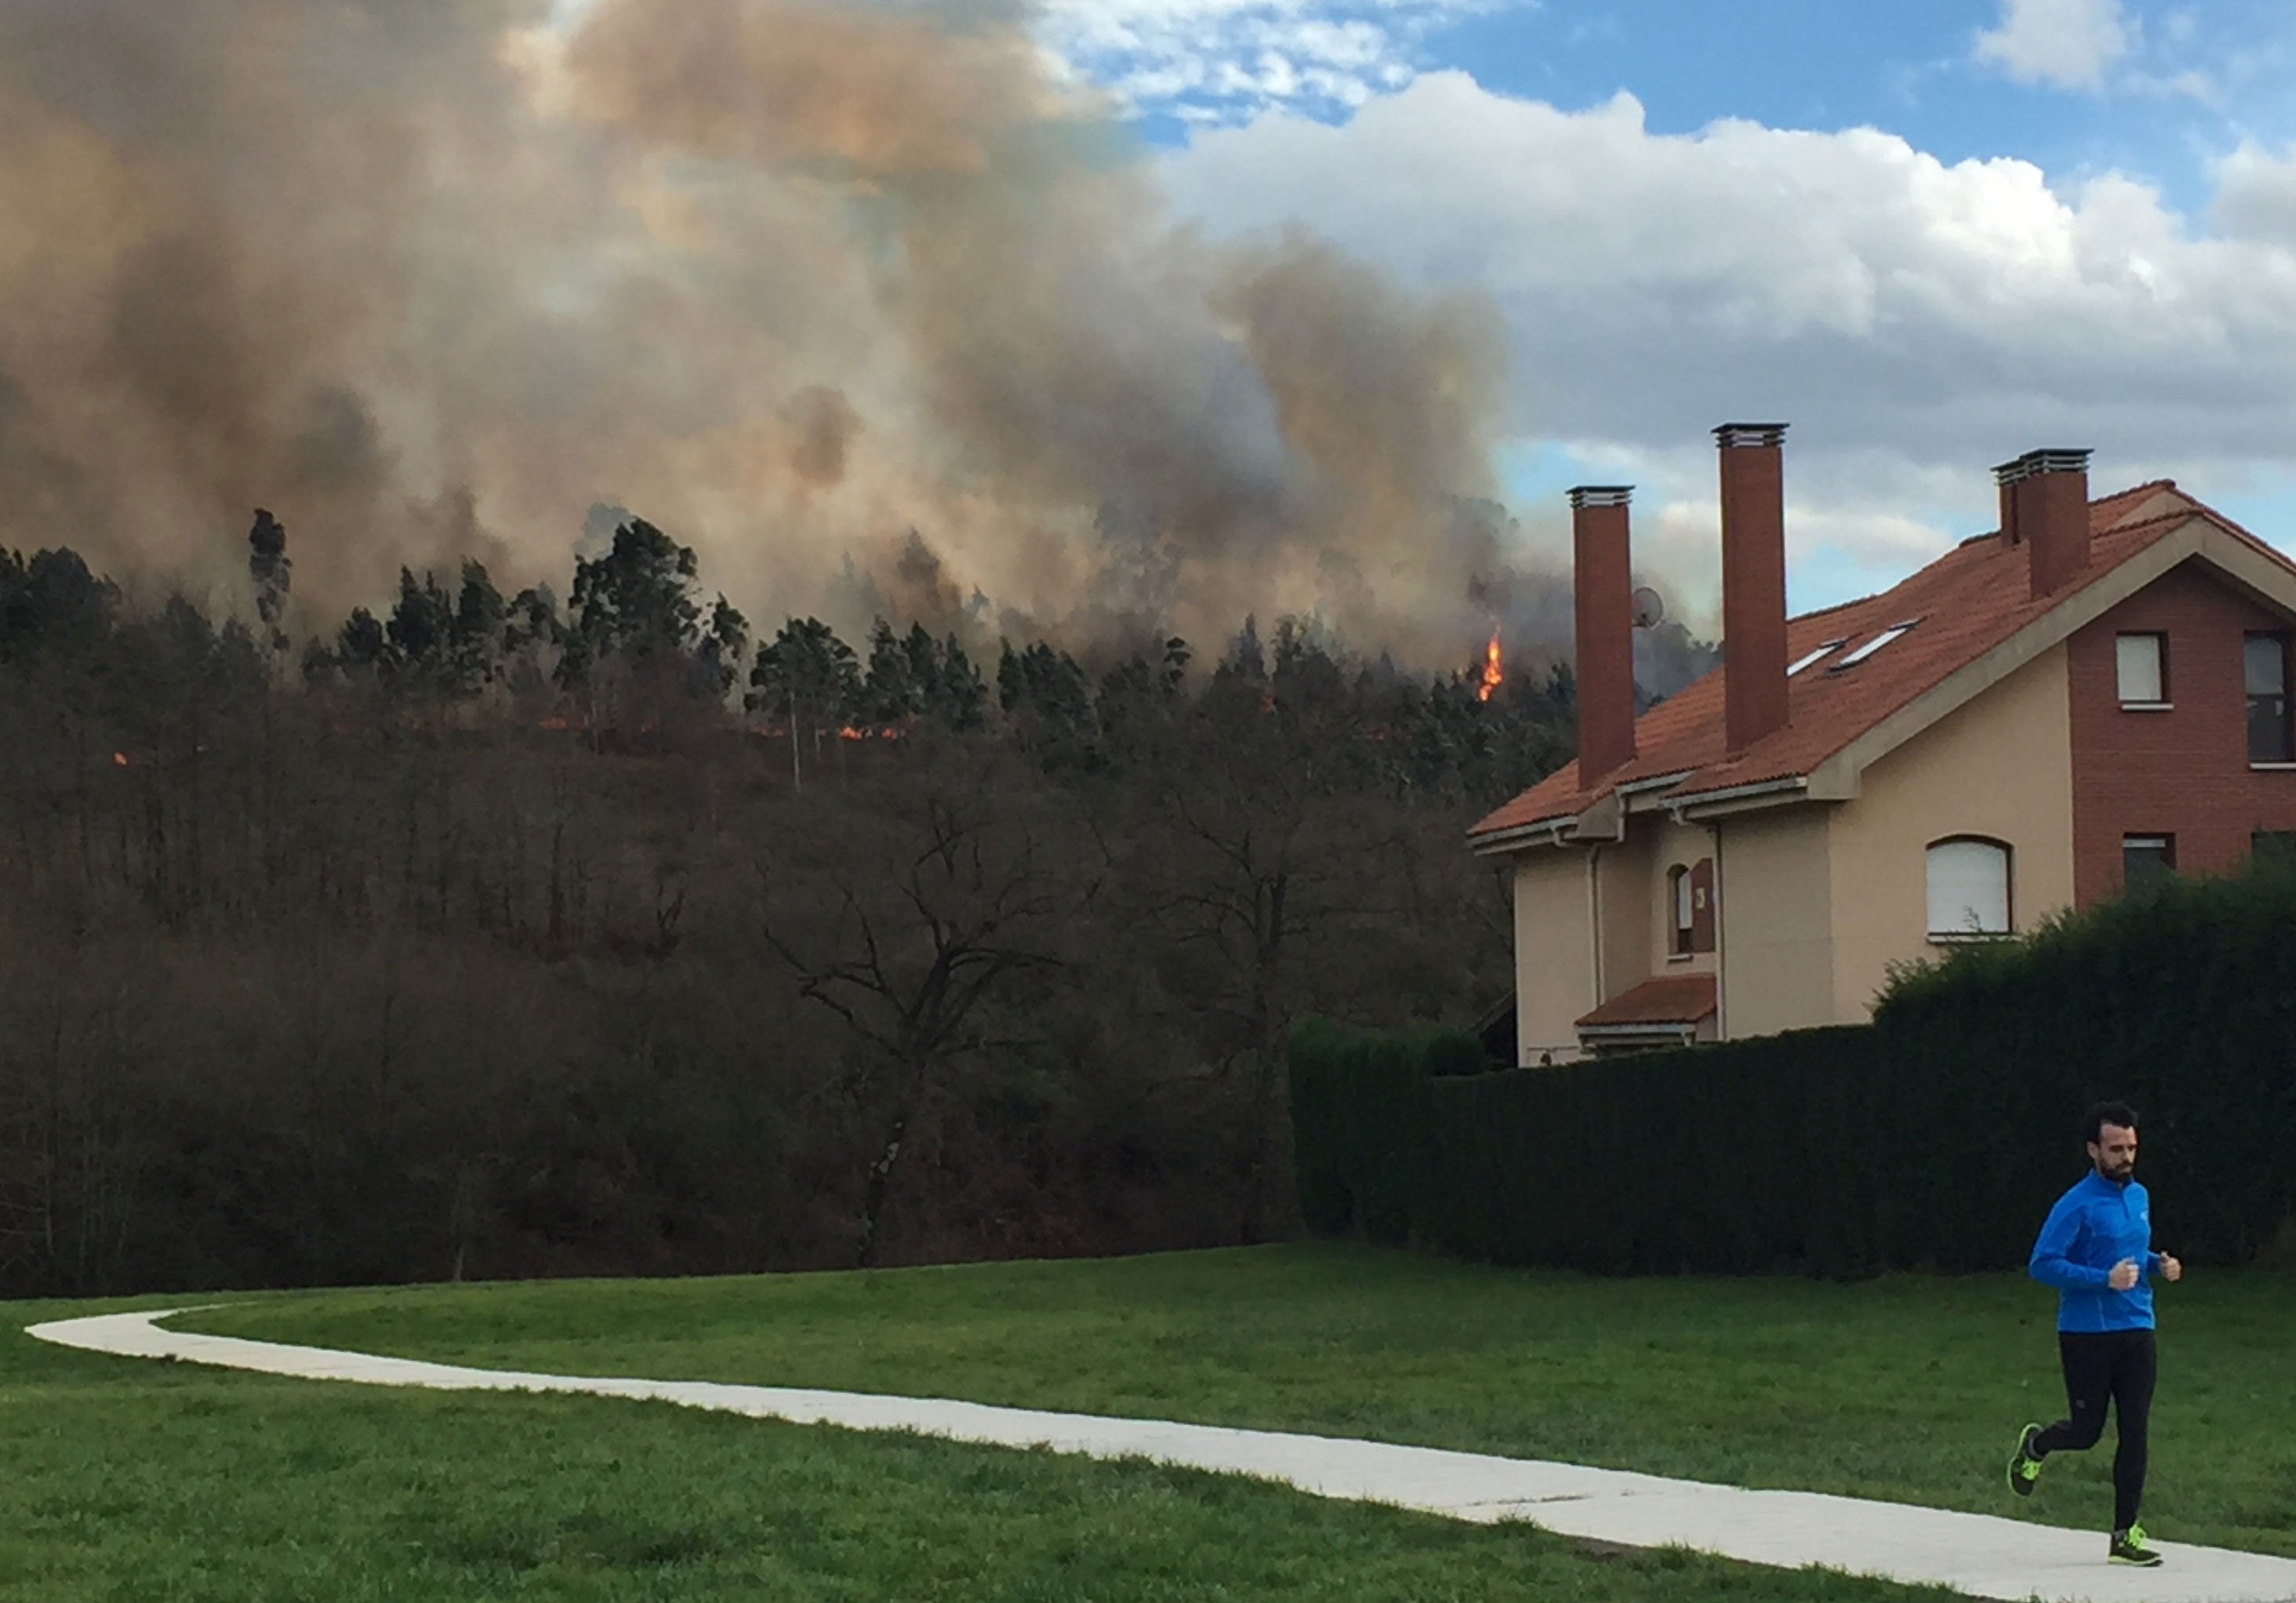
point(1815, 656)
point(1873, 646)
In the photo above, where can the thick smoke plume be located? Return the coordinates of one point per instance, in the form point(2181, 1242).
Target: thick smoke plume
point(860, 300)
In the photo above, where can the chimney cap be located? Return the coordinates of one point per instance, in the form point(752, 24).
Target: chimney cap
point(1749, 434)
point(1600, 495)
point(2053, 459)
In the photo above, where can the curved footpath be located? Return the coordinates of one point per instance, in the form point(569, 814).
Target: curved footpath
point(1972, 1553)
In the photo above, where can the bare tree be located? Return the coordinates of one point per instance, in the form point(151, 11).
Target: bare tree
point(915, 926)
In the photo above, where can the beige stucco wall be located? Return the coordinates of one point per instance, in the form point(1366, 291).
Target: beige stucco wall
point(1624, 867)
point(1815, 901)
point(1557, 980)
point(1670, 845)
point(2001, 767)
point(1777, 931)
point(1553, 953)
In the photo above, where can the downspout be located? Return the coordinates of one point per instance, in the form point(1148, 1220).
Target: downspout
point(1721, 944)
point(1595, 921)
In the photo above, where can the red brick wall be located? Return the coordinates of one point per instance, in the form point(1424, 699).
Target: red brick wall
point(2184, 772)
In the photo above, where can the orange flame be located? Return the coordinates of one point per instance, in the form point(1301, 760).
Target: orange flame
point(119, 759)
point(1494, 667)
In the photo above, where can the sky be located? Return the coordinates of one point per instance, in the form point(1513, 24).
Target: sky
point(1928, 236)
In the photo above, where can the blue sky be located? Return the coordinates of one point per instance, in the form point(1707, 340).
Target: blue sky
point(2174, 85)
point(1930, 235)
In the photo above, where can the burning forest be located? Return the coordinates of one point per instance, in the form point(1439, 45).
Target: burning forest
point(505, 891)
point(861, 302)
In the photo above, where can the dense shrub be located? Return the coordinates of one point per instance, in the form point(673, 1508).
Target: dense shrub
point(1935, 1137)
point(2181, 1001)
point(1725, 1159)
point(1364, 1146)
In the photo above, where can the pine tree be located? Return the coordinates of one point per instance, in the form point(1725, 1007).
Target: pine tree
point(268, 565)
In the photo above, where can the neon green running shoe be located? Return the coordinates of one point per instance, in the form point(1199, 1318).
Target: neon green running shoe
point(2024, 1469)
point(2128, 1547)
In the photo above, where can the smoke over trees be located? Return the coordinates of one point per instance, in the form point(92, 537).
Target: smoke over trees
point(811, 281)
point(372, 909)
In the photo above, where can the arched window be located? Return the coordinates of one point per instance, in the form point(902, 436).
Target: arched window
point(1969, 889)
point(1690, 905)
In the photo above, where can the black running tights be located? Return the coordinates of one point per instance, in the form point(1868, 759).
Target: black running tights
point(2119, 1366)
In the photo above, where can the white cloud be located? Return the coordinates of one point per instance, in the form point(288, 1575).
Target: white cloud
point(2255, 195)
point(2068, 42)
point(1917, 321)
point(1228, 60)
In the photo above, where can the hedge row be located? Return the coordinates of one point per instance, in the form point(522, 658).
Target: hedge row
point(1734, 1159)
point(1363, 1125)
point(2180, 1002)
point(1935, 1137)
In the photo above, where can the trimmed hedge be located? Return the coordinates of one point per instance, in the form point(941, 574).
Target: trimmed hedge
point(1934, 1139)
point(1363, 1125)
point(1733, 1159)
point(2180, 1001)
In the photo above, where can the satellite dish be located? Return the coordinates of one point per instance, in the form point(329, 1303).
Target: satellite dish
point(1650, 608)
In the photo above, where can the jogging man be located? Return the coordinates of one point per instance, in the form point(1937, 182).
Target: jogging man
point(2097, 1249)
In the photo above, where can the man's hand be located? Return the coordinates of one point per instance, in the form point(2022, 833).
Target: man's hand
point(2123, 1276)
point(2170, 1269)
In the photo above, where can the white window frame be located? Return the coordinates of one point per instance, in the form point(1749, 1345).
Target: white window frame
point(1973, 919)
point(1873, 646)
point(2157, 701)
point(1813, 658)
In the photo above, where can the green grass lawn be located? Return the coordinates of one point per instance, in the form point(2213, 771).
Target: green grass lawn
point(128, 1481)
point(132, 1480)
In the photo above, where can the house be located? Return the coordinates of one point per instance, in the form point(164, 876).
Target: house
point(2095, 692)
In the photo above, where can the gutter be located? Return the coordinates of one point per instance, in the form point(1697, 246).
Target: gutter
point(1685, 1033)
point(1740, 798)
point(1612, 799)
point(1522, 837)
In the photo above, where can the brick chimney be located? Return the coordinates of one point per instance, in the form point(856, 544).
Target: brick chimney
point(1603, 578)
point(1753, 581)
point(2045, 506)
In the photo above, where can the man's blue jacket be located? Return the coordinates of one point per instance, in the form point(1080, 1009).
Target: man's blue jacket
point(2096, 1225)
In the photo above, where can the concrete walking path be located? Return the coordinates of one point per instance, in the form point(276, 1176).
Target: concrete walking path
point(1972, 1553)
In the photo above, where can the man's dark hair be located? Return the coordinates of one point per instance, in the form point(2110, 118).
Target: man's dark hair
point(2104, 1113)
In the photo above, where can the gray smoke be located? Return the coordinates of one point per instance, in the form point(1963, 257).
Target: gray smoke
point(825, 290)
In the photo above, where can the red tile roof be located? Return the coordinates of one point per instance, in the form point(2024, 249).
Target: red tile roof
point(1968, 602)
point(1668, 1000)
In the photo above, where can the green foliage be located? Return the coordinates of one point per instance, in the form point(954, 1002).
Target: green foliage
point(2180, 1001)
point(808, 676)
point(1934, 1139)
point(637, 601)
point(1047, 700)
point(1741, 1158)
point(273, 571)
point(892, 690)
point(434, 645)
point(51, 605)
point(718, 658)
point(1364, 1148)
